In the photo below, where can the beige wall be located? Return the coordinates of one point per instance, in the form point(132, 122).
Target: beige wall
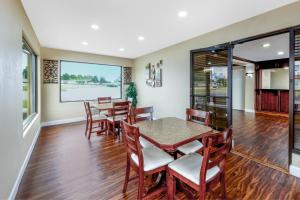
point(238, 89)
point(280, 79)
point(52, 108)
point(173, 97)
point(13, 146)
point(249, 89)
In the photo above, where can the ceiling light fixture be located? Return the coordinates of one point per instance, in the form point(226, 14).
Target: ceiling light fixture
point(84, 43)
point(95, 26)
point(280, 53)
point(141, 38)
point(122, 49)
point(182, 14)
point(266, 45)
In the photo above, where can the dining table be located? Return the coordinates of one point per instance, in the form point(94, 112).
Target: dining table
point(171, 132)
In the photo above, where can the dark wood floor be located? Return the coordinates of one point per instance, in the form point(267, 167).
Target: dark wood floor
point(261, 136)
point(65, 165)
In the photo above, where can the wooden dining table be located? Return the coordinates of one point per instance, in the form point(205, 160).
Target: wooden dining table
point(171, 132)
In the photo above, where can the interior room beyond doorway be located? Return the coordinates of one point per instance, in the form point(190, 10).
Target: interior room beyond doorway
point(260, 99)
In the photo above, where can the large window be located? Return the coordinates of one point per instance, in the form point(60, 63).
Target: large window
point(86, 81)
point(29, 83)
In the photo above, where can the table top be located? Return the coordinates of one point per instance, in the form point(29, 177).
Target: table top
point(106, 106)
point(103, 106)
point(169, 133)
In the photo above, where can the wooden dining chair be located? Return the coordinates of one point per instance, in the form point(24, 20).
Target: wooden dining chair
point(119, 112)
point(142, 114)
point(199, 172)
point(144, 162)
point(94, 122)
point(200, 117)
point(102, 100)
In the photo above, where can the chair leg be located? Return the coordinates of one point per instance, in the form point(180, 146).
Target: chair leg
point(202, 192)
point(171, 186)
point(114, 128)
point(127, 174)
point(141, 187)
point(223, 186)
point(90, 129)
point(86, 126)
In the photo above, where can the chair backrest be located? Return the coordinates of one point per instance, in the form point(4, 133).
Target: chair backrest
point(88, 110)
point(102, 100)
point(198, 116)
point(214, 154)
point(141, 114)
point(131, 136)
point(120, 108)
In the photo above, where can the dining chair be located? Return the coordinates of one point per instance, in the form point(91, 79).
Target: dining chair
point(199, 172)
point(102, 100)
point(142, 114)
point(144, 161)
point(94, 119)
point(119, 112)
point(200, 117)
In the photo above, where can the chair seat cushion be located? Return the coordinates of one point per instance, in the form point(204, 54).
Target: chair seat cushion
point(144, 142)
point(98, 117)
point(153, 158)
point(191, 147)
point(189, 167)
point(117, 118)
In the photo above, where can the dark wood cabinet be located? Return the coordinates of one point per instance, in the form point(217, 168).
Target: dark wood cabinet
point(272, 100)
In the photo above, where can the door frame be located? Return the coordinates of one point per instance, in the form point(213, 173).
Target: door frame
point(226, 47)
point(291, 31)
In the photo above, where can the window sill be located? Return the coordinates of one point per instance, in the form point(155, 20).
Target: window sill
point(28, 123)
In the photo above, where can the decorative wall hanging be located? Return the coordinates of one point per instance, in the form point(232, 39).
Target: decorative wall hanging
point(154, 74)
point(127, 75)
point(50, 71)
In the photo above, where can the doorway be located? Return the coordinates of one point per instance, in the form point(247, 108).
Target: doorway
point(260, 97)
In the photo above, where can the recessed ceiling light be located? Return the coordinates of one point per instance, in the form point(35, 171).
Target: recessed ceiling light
point(84, 43)
point(95, 26)
point(122, 49)
point(266, 45)
point(141, 38)
point(280, 53)
point(182, 14)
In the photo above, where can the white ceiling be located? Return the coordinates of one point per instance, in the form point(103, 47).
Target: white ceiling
point(254, 51)
point(65, 24)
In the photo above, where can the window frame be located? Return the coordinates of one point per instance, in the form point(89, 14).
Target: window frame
point(33, 79)
point(121, 80)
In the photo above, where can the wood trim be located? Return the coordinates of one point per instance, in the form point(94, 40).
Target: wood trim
point(267, 164)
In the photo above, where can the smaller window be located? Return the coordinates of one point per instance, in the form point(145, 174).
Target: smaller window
point(28, 83)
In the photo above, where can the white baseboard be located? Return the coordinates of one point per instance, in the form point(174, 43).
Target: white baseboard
point(295, 171)
point(14, 191)
point(63, 121)
point(250, 110)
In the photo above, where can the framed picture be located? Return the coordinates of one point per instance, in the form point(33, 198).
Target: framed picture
point(158, 77)
point(154, 75)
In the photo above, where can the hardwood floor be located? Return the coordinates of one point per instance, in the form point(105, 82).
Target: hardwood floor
point(65, 165)
point(262, 136)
